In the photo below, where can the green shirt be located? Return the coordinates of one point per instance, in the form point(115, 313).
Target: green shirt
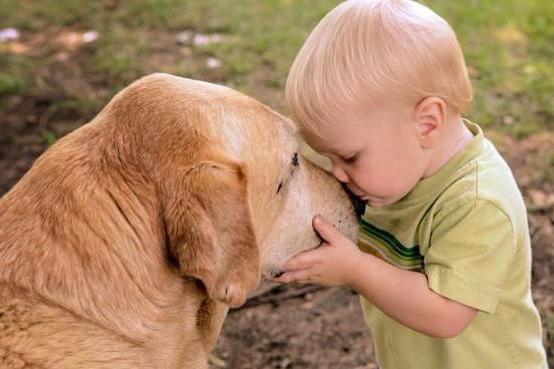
point(465, 227)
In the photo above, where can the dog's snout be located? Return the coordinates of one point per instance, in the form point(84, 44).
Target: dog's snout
point(357, 203)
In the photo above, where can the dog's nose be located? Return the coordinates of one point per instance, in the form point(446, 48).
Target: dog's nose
point(357, 203)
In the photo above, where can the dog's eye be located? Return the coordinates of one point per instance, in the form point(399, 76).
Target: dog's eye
point(295, 163)
point(295, 159)
point(279, 187)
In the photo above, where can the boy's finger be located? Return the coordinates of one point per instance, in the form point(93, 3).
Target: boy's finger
point(302, 260)
point(295, 276)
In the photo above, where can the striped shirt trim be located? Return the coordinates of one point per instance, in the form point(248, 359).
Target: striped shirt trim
point(384, 245)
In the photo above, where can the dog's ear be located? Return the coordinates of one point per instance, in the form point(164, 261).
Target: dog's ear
point(209, 227)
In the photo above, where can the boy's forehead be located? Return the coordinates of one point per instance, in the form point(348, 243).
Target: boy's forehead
point(315, 138)
point(326, 140)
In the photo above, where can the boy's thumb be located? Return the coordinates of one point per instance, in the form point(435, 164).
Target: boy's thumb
point(325, 229)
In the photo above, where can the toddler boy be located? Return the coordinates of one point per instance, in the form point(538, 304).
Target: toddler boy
point(443, 261)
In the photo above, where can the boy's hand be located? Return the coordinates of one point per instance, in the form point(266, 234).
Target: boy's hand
point(331, 264)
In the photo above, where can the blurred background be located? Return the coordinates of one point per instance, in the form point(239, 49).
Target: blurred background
point(62, 60)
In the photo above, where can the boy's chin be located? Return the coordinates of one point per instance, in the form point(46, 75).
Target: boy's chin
point(374, 203)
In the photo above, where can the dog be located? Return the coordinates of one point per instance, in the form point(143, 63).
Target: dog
point(128, 240)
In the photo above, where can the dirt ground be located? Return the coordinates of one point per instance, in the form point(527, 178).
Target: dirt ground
point(288, 327)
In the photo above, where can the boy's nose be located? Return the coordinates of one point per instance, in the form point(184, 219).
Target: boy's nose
point(339, 174)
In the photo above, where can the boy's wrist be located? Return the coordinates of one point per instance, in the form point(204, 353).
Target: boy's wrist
point(351, 272)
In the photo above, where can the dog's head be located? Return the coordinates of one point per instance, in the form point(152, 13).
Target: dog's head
point(237, 198)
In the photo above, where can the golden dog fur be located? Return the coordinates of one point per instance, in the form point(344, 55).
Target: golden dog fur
point(126, 242)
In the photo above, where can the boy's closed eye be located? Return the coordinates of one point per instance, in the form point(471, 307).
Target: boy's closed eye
point(350, 159)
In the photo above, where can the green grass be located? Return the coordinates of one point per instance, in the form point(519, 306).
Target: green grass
point(508, 46)
point(49, 138)
point(15, 73)
point(120, 52)
point(9, 85)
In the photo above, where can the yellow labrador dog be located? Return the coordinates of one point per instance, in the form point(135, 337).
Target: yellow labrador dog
point(127, 241)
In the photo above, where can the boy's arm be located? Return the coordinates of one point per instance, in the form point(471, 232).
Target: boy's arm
point(403, 295)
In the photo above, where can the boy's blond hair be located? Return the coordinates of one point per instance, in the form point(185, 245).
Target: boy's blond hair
point(370, 51)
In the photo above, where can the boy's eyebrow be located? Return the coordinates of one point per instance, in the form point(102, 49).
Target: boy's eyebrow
point(326, 146)
point(338, 153)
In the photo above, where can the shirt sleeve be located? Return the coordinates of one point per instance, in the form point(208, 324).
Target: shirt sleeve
point(471, 248)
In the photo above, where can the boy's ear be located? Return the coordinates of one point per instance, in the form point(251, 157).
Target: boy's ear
point(209, 228)
point(429, 117)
